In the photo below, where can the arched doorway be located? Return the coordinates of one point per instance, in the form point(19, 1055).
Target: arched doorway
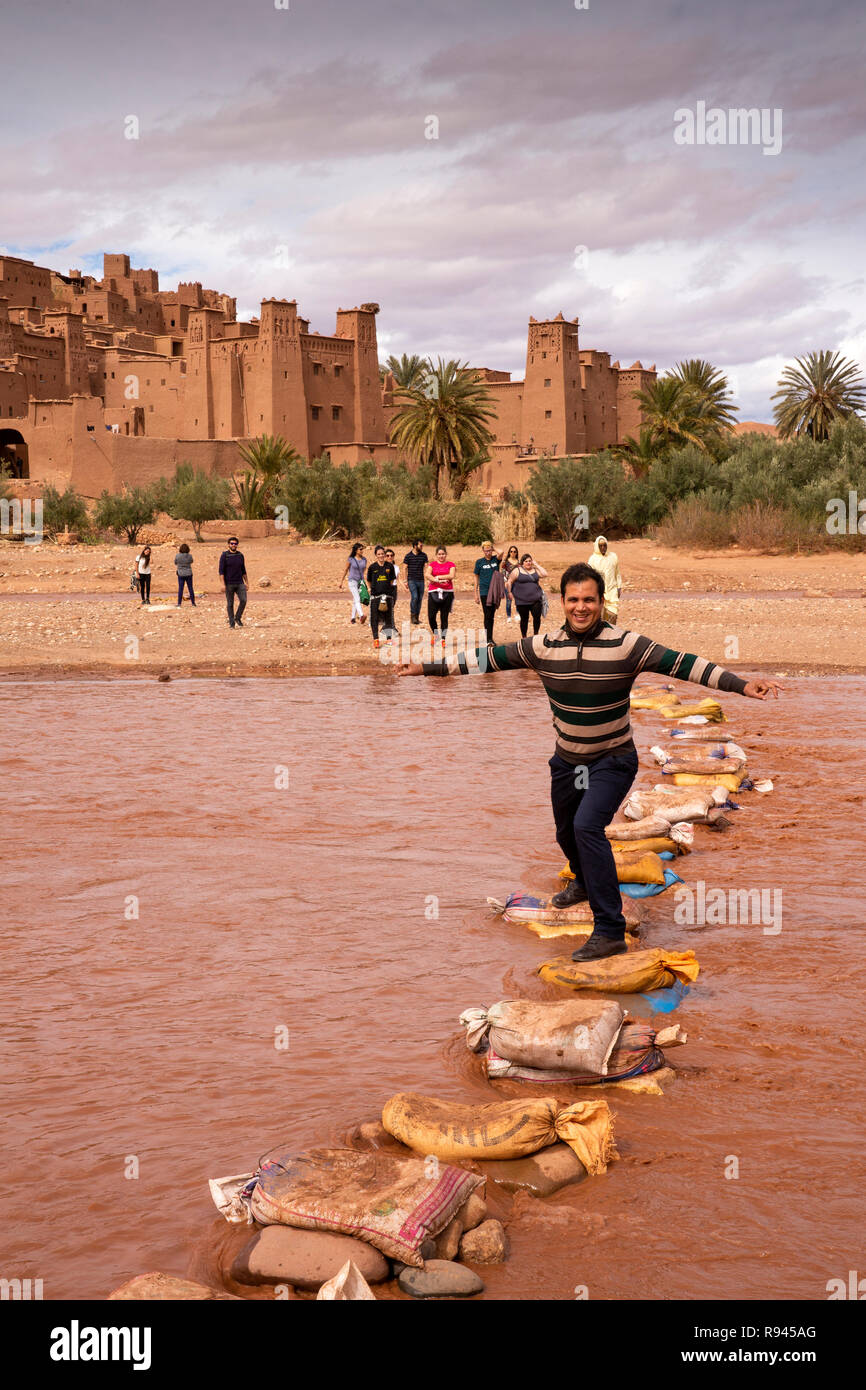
point(14, 453)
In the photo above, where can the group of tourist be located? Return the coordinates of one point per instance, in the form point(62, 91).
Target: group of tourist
point(498, 575)
point(232, 571)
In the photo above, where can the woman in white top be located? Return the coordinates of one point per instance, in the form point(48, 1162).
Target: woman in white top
point(142, 564)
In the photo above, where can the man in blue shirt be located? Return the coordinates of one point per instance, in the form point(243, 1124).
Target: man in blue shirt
point(415, 560)
point(234, 576)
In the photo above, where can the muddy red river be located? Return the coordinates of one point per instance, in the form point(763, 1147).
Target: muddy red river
point(191, 867)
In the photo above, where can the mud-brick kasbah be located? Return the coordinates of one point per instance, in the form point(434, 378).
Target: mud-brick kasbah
point(113, 382)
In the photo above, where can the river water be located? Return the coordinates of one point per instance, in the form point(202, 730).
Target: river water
point(286, 846)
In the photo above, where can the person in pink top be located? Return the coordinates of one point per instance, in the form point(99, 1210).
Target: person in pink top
point(440, 591)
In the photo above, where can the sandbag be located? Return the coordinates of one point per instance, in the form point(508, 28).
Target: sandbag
point(693, 735)
point(700, 757)
point(540, 917)
point(670, 803)
point(574, 1034)
point(638, 868)
point(651, 890)
point(632, 973)
point(503, 1129)
point(709, 709)
point(660, 698)
point(639, 829)
point(389, 1200)
point(656, 844)
point(702, 767)
point(729, 780)
point(637, 1053)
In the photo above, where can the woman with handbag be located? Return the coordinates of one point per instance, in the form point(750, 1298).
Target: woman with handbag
point(355, 567)
point(142, 567)
point(525, 587)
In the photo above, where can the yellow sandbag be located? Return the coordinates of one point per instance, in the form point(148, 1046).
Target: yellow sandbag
point(654, 844)
point(729, 780)
point(663, 700)
point(502, 1129)
point(711, 709)
point(638, 868)
point(631, 973)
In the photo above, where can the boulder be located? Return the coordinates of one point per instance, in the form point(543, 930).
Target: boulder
point(264, 582)
point(473, 1211)
point(440, 1279)
point(307, 1259)
point(156, 1286)
point(448, 1240)
point(373, 1135)
point(542, 1173)
point(486, 1245)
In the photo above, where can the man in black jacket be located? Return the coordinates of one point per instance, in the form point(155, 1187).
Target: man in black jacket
point(234, 576)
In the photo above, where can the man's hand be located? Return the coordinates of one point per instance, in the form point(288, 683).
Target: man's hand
point(410, 668)
point(759, 690)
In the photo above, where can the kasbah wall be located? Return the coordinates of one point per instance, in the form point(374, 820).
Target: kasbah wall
point(111, 383)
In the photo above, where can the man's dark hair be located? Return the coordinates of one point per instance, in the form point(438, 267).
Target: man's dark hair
point(417, 542)
point(232, 538)
point(579, 574)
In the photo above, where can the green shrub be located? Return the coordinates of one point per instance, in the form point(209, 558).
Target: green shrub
point(126, 511)
point(63, 509)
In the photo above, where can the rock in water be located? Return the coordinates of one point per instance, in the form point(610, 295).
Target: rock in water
point(542, 1173)
point(486, 1245)
point(156, 1286)
point(448, 1241)
point(164, 676)
point(473, 1212)
point(307, 1259)
point(440, 1279)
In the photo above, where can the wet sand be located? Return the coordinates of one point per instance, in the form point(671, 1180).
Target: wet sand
point(305, 907)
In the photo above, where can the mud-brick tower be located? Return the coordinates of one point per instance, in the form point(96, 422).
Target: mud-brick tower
point(369, 416)
point(553, 394)
point(69, 326)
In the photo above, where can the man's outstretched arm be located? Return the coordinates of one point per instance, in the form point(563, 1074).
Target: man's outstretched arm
point(510, 656)
point(685, 666)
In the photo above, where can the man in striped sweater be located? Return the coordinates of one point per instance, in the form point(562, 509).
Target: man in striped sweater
point(588, 668)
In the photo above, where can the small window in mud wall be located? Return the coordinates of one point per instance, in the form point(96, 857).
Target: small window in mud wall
point(336, 412)
point(548, 414)
point(314, 411)
point(337, 370)
point(316, 368)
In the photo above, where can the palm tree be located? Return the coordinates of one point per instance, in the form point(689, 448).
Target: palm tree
point(265, 458)
point(638, 453)
point(820, 389)
point(442, 420)
point(672, 412)
point(711, 388)
point(407, 371)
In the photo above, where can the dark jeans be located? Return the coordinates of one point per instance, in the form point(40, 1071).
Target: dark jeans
point(489, 615)
point(241, 591)
point(416, 594)
point(524, 610)
point(181, 580)
point(440, 606)
point(144, 587)
point(378, 615)
point(581, 815)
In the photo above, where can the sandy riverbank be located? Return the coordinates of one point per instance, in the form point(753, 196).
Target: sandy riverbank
point(69, 610)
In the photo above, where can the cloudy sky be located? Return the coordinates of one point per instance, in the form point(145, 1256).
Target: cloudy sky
point(287, 151)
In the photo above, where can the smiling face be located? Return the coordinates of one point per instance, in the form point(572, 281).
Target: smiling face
point(582, 605)
point(440, 553)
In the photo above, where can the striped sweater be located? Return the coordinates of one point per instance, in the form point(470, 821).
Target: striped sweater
point(588, 679)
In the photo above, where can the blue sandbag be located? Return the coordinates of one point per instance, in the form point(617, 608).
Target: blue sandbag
point(649, 890)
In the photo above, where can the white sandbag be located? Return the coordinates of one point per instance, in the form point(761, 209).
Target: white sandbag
point(228, 1199)
point(567, 1035)
point(348, 1286)
point(644, 828)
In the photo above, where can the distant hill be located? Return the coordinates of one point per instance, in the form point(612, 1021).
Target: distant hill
point(755, 427)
